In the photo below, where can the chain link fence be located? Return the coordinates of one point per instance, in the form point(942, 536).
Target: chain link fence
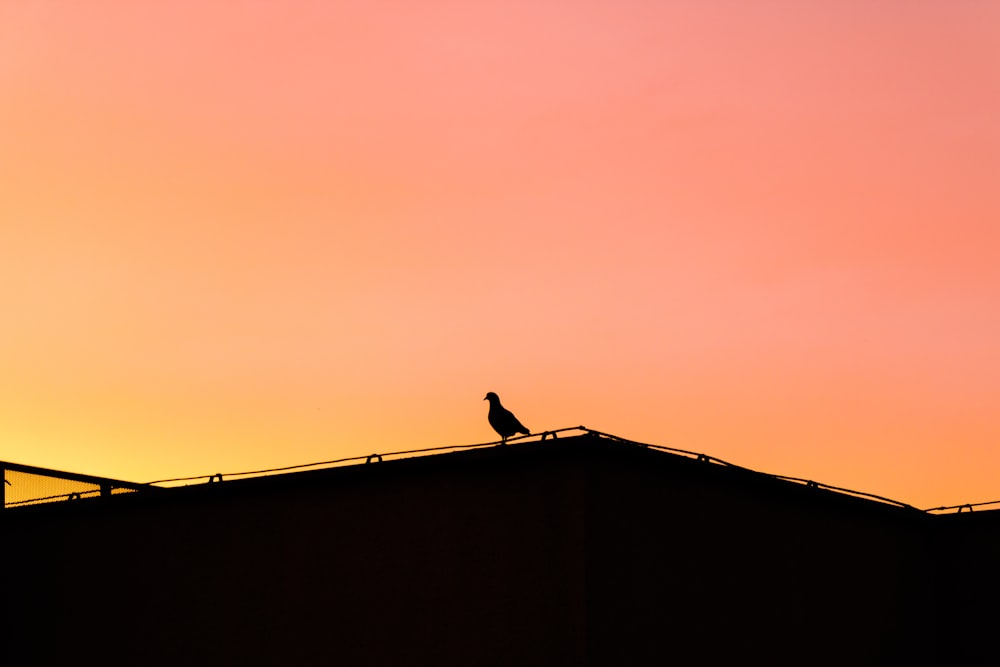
point(27, 485)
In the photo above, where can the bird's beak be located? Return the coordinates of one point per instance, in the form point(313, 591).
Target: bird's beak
point(485, 397)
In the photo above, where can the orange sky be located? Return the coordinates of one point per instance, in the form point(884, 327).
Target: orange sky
point(255, 234)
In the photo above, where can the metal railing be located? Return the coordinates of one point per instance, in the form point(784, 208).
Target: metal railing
point(30, 485)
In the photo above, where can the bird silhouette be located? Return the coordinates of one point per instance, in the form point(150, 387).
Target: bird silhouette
point(503, 420)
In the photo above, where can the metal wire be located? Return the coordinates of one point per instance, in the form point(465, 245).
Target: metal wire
point(121, 487)
point(711, 459)
point(363, 458)
point(554, 434)
point(958, 508)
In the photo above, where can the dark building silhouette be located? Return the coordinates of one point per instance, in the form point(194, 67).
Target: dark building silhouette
point(579, 550)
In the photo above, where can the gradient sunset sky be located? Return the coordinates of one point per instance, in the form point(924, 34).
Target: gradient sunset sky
point(239, 235)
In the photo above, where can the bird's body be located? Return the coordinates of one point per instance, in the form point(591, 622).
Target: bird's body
point(503, 420)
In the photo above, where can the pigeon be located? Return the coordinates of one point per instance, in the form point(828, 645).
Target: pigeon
point(503, 420)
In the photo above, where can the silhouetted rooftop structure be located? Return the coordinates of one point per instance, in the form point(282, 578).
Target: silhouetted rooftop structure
point(567, 548)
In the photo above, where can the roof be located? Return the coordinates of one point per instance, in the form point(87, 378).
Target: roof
point(31, 486)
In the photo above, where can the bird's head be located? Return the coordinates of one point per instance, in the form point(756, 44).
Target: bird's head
point(491, 397)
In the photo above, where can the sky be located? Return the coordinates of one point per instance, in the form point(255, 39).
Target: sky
point(243, 235)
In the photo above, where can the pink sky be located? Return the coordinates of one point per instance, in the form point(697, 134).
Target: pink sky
point(245, 235)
